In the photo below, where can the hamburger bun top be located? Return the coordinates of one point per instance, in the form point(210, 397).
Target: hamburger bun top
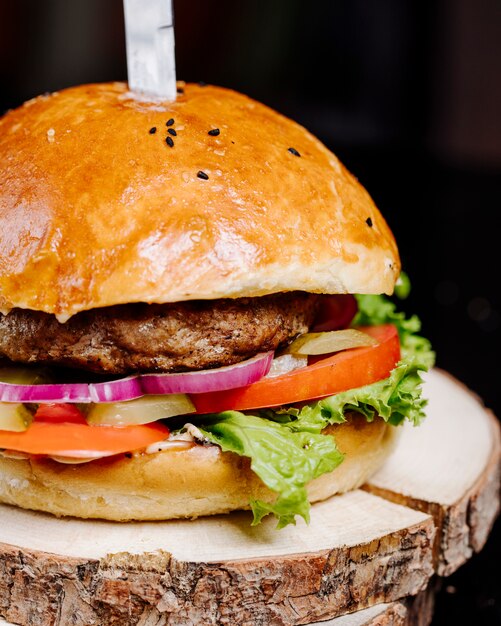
point(97, 209)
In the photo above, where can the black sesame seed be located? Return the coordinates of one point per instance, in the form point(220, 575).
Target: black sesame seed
point(180, 90)
point(214, 132)
point(368, 221)
point(170, 122)
point(172, 132)
point(128, 455)
point(153, 130)
point(203, 175)
point(294, 152)
point(170, 142)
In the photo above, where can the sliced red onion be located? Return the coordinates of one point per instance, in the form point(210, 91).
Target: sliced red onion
point(336, 312)
point(110, 391)
point(221, 379)
point(134, 387)
point(75, 392)
point(116, 390)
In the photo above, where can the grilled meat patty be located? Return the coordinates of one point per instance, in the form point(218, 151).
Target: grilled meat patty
point(181, 336)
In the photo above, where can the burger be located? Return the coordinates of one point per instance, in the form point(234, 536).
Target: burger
point(192, 311)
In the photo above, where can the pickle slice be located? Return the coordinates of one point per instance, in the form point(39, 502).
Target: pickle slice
point(329, 342)
point(14, 417)
point(141, 411)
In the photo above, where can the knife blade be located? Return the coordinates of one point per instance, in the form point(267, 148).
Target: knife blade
point(149, 27)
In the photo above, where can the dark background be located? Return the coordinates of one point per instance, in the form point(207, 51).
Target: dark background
point(407, 93)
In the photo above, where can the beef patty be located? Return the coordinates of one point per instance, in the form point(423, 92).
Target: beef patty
point(158, 337)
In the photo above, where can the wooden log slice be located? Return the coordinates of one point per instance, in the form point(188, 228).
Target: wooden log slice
point(216, 571)
point(450, 468)
point(413, 611)
point(359, 550)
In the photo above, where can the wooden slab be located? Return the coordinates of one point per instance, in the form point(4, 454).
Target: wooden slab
point(412, 611)
point(450, 468)
point(217, 570)
point(360, 548)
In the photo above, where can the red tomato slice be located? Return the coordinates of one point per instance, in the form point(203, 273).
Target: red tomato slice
point(81, 440)
point(330, 375)
point(59, 413)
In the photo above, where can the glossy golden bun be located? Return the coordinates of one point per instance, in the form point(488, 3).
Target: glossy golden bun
point(95, 210)
point(184, 484)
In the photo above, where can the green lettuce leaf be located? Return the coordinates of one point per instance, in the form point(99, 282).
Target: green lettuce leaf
point(395, 399)
point(285, 446)
point(285, 459)
point(375, 310)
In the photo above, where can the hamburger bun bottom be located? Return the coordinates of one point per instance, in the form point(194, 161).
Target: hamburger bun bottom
point(180, 484)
